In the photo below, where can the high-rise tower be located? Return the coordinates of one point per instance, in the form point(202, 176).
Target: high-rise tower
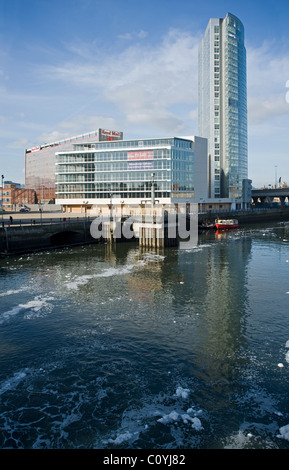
point(223, 105)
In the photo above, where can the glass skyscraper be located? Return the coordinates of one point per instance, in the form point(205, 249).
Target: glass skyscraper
point(223, 105)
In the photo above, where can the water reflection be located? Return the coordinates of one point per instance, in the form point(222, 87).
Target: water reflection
point(127, 328)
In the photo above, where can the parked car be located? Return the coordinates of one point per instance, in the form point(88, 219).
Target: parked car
point(24, 209)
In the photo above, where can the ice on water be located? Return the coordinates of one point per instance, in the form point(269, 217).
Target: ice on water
point(40, 305)
point(284, 432)
point(78, 281)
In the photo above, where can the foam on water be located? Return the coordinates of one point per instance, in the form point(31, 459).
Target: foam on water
point(153, 257)
point(39, 306)
point(13, 291)
point(12, 382)
point(109, 272)
point(113, 271)
point(9, 314)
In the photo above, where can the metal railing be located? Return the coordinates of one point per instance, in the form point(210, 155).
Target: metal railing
point(43, 221)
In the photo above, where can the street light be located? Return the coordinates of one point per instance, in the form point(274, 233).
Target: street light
point(110, 214)
point(40, 211)
point(153, 189)
point(2, 176)
point(85, 203)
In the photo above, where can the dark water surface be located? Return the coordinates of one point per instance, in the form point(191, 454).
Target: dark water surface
point(112, 347)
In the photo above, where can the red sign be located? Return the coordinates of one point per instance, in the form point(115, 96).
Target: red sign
point(112, 133)
point(140, 155)
point(35, 149)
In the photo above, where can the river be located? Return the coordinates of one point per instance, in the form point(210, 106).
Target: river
point(114, 347)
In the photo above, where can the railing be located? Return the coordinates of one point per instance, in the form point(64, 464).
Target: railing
point(44, 221)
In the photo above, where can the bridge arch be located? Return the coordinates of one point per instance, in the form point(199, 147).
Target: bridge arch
point(66, 237)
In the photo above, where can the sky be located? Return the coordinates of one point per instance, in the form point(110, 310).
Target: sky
point(69, 67)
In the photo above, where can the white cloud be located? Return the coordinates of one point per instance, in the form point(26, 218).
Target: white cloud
point(142, 82)
point(75, 125)
point(128, 36)
point(146, 82)
point(21, 143)
point(264, 108)
point(53, 136)
point(268, 72)
point(86, 123)
point(268, 112)
point(142, 34)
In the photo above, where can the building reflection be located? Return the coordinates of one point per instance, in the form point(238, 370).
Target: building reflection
point(218, 280)
point(203, 291)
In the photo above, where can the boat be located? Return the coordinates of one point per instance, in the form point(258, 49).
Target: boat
point(226, 224)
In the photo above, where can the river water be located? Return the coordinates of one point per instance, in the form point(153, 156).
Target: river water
point(120, 348)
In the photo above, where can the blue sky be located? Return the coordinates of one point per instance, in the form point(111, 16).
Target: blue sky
point(71, 66)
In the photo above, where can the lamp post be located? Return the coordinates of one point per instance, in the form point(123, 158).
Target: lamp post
point(85, 203)
point(110, 216)
point(153, 189)
point(40, 210)
point(2, 176)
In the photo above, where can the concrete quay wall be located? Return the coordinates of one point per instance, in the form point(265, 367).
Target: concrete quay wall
point(28, 238)
point(17, 238)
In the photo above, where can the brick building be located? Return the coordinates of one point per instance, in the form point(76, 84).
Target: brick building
point(12, 194)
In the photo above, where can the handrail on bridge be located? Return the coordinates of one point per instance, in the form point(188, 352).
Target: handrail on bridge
point(15, 222)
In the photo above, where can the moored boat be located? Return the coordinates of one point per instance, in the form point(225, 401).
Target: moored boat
point(226, 224)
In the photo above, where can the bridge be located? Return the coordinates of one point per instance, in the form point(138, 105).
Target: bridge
point(268, 195)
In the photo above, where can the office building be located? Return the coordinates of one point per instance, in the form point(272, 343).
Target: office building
point(223, 106)
point(123, 172)
point(40, 161)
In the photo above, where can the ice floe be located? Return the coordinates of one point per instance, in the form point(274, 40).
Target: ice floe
point(284, 432)
point(186, 418)
point(189, 417)
point(182, 392)
point(126, 436)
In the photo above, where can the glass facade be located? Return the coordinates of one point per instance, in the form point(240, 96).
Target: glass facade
point(96, 171)
point(40, 161)
point(223, 104)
